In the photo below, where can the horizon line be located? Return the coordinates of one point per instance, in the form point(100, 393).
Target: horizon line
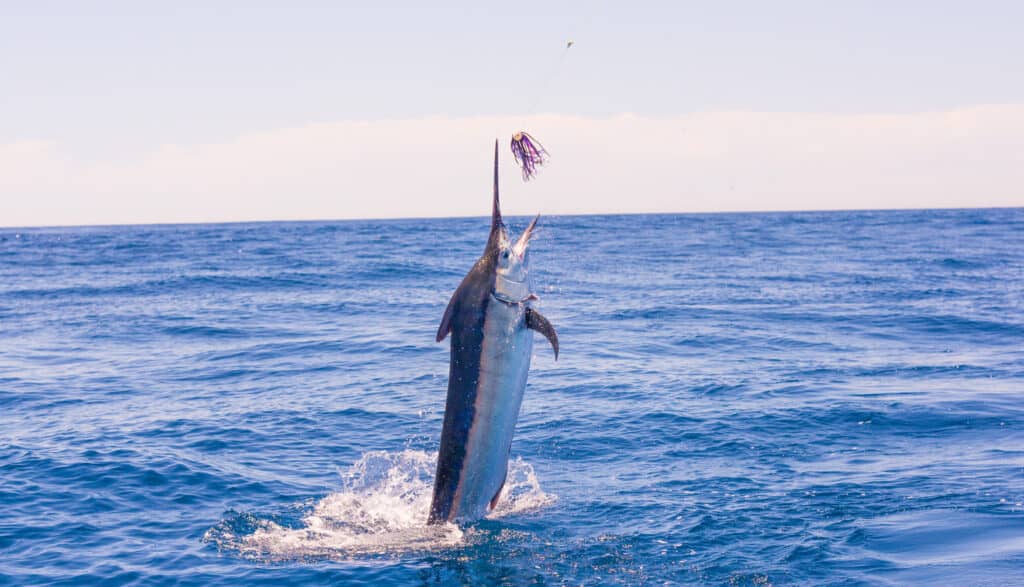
point(487, 216)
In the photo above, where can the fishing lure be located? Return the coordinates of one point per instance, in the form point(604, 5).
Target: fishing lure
point(528, 153)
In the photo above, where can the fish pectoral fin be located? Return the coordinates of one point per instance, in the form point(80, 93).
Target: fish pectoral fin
point(536, 321)
point(446, 322)
point(449, 312)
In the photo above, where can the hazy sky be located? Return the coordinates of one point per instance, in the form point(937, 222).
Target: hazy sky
point(117, 112)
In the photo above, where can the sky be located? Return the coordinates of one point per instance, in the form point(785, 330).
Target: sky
point(128, 112)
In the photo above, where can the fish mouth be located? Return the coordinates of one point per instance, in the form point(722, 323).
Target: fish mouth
point(524, 239)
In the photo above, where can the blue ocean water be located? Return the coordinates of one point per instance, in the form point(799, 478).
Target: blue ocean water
point(745, 399)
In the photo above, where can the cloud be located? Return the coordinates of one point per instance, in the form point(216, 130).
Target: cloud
point(716, 161)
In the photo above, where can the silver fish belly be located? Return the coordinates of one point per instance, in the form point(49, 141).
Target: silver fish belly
point(504, 366)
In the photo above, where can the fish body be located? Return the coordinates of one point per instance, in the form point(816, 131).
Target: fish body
point(490, 318)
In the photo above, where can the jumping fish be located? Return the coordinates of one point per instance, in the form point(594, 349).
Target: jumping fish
point(489, 318)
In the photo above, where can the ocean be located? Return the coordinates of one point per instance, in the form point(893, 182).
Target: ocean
point(828, 398)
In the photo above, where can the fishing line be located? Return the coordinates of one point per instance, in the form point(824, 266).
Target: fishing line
point(542, 87)
point(527, 151)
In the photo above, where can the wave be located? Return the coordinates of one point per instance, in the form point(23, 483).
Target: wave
point(382, 508)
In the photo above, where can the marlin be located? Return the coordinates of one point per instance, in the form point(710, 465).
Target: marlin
point(489, 318)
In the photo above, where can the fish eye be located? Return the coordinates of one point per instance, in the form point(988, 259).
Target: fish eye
point(504, 254)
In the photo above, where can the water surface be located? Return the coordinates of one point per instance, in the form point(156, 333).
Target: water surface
point(814, 398)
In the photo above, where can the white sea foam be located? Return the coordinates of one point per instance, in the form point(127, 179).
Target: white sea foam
point(382, 507)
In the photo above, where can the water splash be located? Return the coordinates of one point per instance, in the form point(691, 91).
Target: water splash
point(522, 491)
point(381, 508)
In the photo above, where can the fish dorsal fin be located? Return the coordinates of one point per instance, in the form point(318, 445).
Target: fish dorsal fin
point(536, 321)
